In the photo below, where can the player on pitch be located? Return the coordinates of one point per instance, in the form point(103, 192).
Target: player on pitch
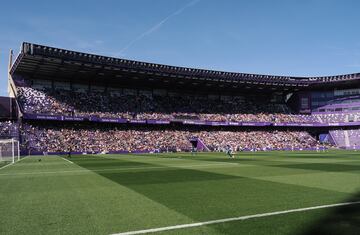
point(229, 151)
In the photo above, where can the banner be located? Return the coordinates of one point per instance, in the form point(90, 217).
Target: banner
point(256, 124)
point(134, 121)
point(65, 118)
point(42, 117)
point(31, 116)
point(152, 121)
point(194, 122)
point(112, 120)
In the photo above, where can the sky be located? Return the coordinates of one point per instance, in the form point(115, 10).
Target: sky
point(278, 37)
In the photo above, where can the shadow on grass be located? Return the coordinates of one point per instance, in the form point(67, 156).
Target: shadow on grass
point(140, 175)
point(202, 195)
point(96, 162)
point(341, 220)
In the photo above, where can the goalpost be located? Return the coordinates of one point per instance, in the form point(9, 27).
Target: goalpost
point(9, 150)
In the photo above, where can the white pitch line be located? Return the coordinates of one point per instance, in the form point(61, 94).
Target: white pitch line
point(12, 163)
point(246, 217)
point(125, 169)
point(6, 165)
point(67, 160)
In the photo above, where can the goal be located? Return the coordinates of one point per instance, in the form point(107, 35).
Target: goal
point(9, 150)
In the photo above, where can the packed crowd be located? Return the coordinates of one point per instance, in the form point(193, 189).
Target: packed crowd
point(8, 129)
point(37, 101)
point(150, 107)
point(99, 138)
point(82, 138)
point(108, 105)
point(260, 140)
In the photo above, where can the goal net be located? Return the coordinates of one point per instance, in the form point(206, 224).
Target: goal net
point(9, 150)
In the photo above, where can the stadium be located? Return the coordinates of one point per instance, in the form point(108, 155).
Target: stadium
point(101, 145)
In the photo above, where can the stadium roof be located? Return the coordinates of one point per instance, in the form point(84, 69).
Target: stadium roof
point(44, 62)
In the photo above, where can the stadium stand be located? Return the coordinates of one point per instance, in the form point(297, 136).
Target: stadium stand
point(347, 138)
point(103, 104)
point(147, 107)
point(337, 117)
point(91, 103)
point(94, 138)
point(8, 129)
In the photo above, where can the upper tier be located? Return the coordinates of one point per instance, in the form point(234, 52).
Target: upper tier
point(194, 109)
point(54, 63)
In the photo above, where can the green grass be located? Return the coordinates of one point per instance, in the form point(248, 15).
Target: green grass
point(119, 193)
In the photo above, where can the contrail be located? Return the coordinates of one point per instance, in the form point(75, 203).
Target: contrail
point(156, 27)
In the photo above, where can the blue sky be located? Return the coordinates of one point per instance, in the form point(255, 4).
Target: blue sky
point(282, 37)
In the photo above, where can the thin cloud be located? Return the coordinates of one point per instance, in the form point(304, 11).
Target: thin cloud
point(156, 27)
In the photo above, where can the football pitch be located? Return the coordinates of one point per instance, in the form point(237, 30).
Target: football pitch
point(206, 193)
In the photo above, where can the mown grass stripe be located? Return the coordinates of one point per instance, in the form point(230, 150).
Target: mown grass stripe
point(126, 169)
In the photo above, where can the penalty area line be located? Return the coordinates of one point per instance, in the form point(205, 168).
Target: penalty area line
point(67, 160)
point(246, 217)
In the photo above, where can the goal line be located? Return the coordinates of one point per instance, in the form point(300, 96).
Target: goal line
point(12, 163)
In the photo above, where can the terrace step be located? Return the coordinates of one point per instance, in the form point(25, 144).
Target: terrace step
point(347, 140)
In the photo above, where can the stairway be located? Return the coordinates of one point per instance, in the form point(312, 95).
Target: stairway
point(347, 140)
